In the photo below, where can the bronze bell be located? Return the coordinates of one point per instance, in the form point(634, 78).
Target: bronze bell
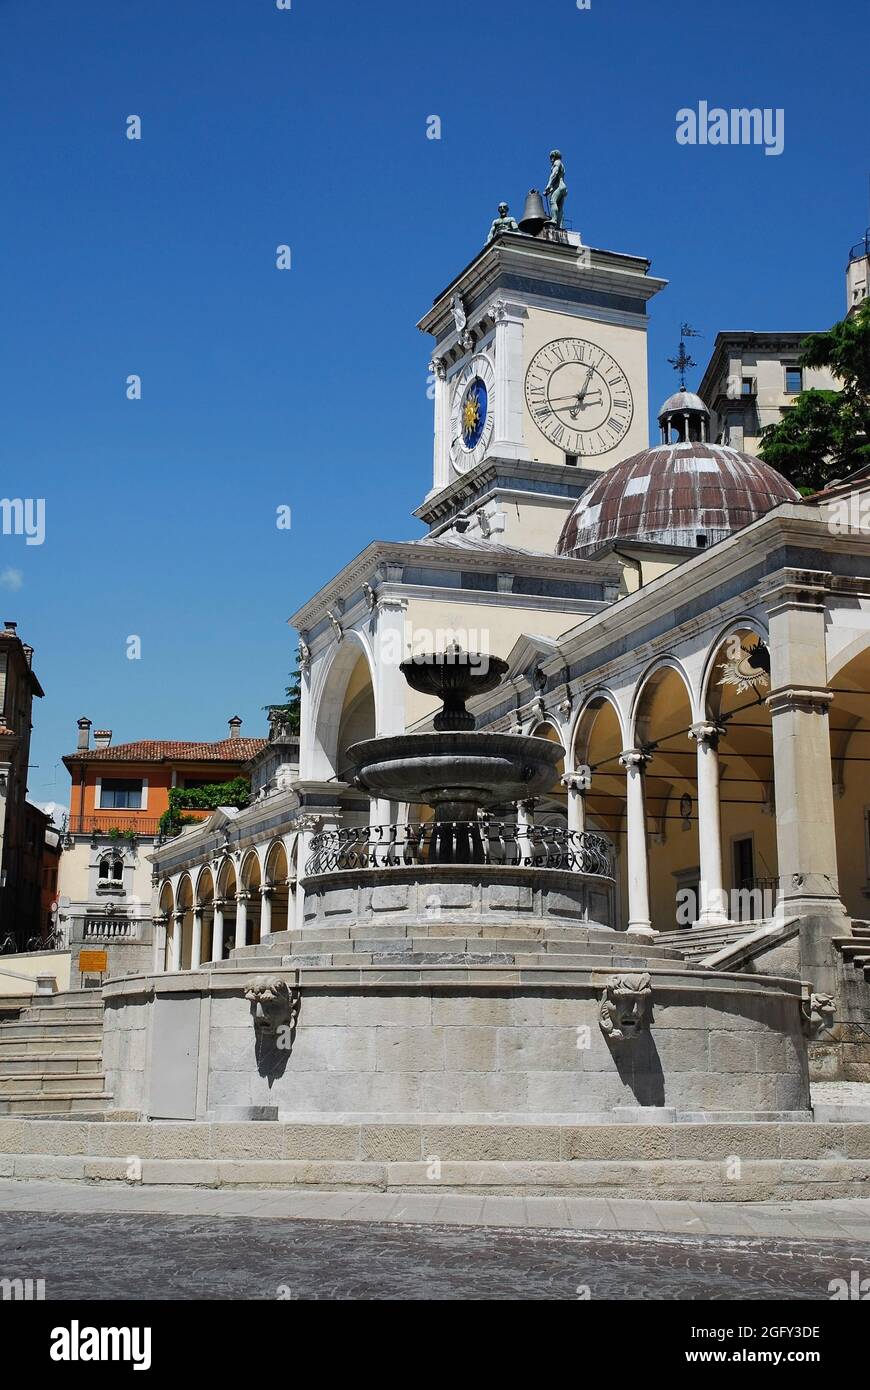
point(534, 216)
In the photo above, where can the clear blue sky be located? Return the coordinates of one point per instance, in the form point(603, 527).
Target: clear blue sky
point(308, 387)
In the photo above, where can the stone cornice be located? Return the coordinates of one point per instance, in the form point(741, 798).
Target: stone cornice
point(516, 255)
point(494, 560)
point(486, 476)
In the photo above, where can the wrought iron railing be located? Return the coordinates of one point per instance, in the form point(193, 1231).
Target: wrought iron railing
point(461, 842)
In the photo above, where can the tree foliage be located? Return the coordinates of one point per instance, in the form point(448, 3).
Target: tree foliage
point(826, 434)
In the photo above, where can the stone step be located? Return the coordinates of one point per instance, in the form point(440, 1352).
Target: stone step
point(563, 960)
point(778, 1161)
point(49, 1032)
point(50, 1084)
point(35, 1103)
point(31, 1039)
point(42, 1014)
point(41, 1061)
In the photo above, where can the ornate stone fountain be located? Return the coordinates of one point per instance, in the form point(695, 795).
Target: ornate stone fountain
point(457, 771)
point(459, 971)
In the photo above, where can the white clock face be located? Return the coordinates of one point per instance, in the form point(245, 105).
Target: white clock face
point(578, 396)
point(472, 412)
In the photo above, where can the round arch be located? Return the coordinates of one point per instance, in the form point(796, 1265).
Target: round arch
point(745, 623)
point(653, 676)
point(329, 688)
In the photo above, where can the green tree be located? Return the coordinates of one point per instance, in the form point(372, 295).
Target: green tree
point(826, 434)
point(292, 709)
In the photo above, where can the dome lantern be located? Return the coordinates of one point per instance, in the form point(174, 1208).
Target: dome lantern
point(684, 419)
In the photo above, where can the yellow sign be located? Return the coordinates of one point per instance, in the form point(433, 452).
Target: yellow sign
point(94, 962)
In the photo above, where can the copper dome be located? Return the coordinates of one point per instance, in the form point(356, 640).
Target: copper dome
point(688, 494)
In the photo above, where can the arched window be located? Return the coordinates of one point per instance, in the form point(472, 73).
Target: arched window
point(111, 869)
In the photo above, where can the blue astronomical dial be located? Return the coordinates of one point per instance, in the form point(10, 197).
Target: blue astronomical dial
point(473, 412)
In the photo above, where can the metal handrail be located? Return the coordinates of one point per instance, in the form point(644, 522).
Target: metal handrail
point(461, 842)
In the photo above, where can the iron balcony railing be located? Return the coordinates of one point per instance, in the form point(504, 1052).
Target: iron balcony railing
point(461, 842)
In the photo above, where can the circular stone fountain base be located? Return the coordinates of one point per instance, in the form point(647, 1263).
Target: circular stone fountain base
point(460, 893)
point(419, 1043)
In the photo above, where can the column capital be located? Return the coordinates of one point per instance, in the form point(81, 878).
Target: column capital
point(178, 914)
point(266, 890)
point(244, 895)
point(580, 780)
point(634, 759)
point(707, 731)
point(798, 697)
point(438, 365)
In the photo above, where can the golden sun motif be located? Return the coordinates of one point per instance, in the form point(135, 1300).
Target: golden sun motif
point(470, 414)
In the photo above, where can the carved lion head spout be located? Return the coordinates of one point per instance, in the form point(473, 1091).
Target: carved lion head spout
point(275, 1006)
point(817, 1014)
point(624, 1012)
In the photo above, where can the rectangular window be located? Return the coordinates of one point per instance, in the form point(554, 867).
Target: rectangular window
point(747, 386)
point(121, 794)
point(793, 381)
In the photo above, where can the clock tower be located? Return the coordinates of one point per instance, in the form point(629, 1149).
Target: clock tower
point(540, 374)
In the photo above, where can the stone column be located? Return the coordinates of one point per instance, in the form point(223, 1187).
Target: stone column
point(713, 905)
point(266, 891)
point(217, 930)
point(308, 825)
point(577, 784)
point(525, 825)
point(242, 900)
point(177, 929)
point(798, 701)
point(639, 922)
point(158, 923)
point(196, 943)
point(507, 437)
point(441, 460)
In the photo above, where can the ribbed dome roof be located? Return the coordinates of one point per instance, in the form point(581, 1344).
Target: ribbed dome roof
point(683, 400)
point(687, 494)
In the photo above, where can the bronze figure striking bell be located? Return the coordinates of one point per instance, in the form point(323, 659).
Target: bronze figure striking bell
point(534, 216)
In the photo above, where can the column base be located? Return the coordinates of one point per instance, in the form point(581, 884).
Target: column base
point(713, 919)
point(643, 931)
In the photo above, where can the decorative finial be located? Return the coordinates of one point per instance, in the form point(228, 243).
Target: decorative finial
point(682, 362)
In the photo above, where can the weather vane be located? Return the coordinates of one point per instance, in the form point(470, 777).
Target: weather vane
point(682, 362)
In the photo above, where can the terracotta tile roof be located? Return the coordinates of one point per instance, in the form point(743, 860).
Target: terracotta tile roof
point(157, 750)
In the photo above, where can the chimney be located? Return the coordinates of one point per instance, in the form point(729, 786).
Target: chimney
point(84, 732)
point(235, 725)
point(10, 627)
point(102, 738)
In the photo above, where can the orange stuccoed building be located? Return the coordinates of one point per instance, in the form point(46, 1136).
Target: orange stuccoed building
point(118, 796)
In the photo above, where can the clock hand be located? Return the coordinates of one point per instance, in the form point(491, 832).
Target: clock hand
point(575, 409)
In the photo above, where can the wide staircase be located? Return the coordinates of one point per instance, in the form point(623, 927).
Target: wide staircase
point(694, 943)
point(51, 1061)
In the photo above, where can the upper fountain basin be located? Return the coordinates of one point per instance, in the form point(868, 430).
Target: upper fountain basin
point(486, 768)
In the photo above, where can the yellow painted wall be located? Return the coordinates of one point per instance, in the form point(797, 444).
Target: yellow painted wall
point(18, 973)
point(492, 628)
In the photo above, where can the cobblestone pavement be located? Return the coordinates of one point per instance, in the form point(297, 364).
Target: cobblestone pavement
point(138, 1256)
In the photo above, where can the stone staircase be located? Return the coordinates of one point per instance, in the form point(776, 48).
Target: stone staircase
point(694, 943)
point(51, 1058)
point(855, 949)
